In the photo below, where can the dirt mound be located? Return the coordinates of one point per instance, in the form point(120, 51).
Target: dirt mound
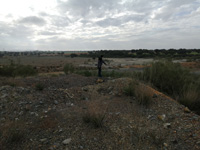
point(62, 116)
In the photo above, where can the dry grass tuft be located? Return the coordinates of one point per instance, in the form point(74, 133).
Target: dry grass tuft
point(12, 134)
point(143, 95)
point(95, 114)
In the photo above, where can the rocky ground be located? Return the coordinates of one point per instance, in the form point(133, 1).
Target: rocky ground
point(50, 112)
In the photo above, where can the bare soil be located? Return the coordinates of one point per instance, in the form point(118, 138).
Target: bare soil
point(52, 118)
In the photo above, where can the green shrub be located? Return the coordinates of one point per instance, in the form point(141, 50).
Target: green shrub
point(168, 76)
point(17, 70)
point(21, 70)
point(7, 71)
point(176, 81)
point(69, 68)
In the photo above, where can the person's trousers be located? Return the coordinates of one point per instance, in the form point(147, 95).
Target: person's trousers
point(99, 72)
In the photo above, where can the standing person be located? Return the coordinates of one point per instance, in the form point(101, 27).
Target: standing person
point(100, 62)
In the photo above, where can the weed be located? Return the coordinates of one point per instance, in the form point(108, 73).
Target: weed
point(130, 89)
point(69, 68)
point(190, 98)
point(13, 133)
point(95, 119)
point(95, 114)
point(143, 96)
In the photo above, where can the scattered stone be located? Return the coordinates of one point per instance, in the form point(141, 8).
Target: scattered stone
point(161, 117)
point(85, 89)
point(198, 143)
point(3, 119)
point(4, 96)
point(43, 140)
point(186, 110)
point(81, 147)
point(56, 102)
point(67, 141)
point(117, 113)
point(21, 113)
point(194, 135)
point(167, 125)
point(85, 98)
point(110, 93)
point(165, 144)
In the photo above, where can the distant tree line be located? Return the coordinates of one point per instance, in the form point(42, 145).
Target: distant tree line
point(144, 53)
point(134, 53)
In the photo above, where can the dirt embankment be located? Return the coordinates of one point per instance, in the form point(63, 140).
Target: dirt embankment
point(51, 117)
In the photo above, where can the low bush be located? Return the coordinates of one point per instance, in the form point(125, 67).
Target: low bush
point(69, 68)
point(175, 81)
point(22, 70)
point(167, 76)
point(17, 70)
point(190, 98)
point(142, 95)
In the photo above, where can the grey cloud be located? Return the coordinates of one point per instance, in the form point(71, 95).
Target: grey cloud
point(32, 20)
point(60, 21)
point(44, 14)
point(17, 36)
point(84, 8)
point(120, 20)
point(109, 22)
point(15, 31)
point(90, 9)
point(49, 33)
point(178, 8)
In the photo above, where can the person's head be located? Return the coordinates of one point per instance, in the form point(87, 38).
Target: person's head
point(101, 56)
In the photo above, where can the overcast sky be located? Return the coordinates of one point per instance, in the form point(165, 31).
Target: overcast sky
point(99, 24)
